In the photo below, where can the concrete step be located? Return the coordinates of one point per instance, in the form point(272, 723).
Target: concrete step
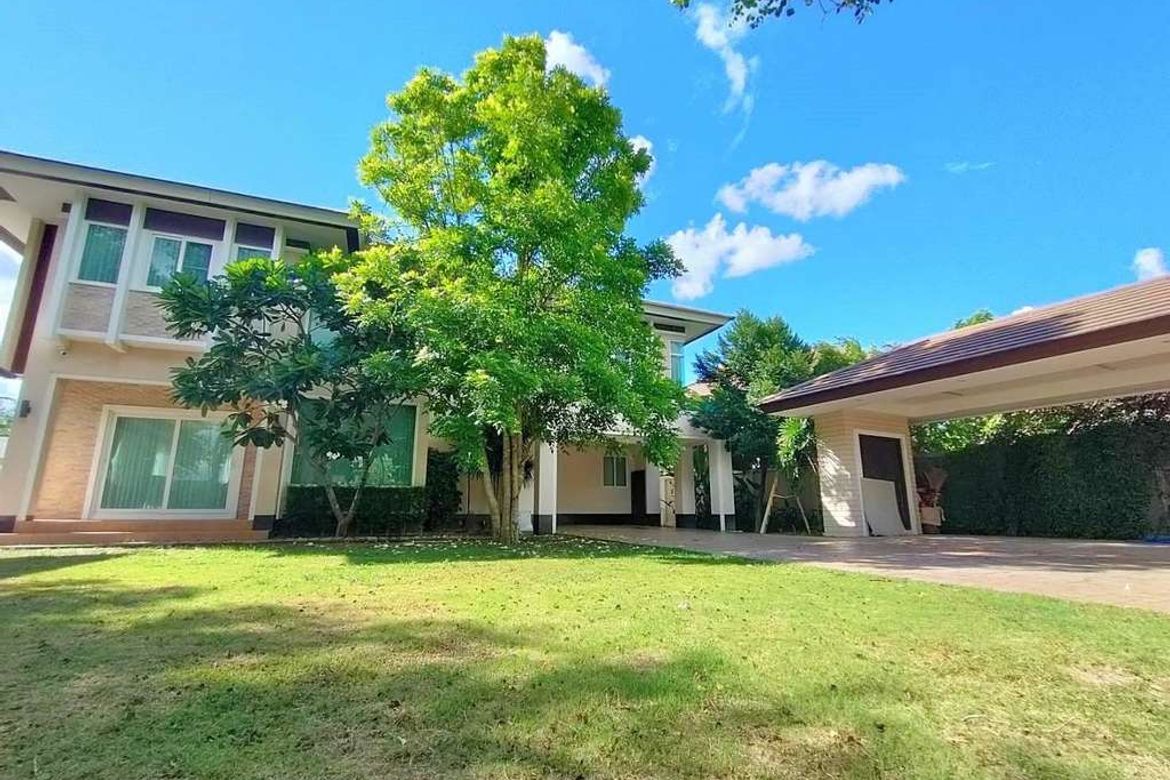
point(51, 526)
point(128, 537)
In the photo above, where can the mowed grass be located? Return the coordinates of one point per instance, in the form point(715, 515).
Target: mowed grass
point(555, 658)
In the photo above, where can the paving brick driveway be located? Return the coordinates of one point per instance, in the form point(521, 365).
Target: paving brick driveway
point(1127, 574)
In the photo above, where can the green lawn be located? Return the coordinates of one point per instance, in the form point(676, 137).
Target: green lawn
point(555, 658)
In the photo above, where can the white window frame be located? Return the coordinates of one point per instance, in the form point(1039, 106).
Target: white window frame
point(907, 475)
point(625, 471)
point(671, 344)
point(214, 265)
point(75, 277)
point(105, 440)
point(235, 253)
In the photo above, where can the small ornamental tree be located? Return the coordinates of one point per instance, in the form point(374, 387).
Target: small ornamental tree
point(509, 190)
point(290, 364)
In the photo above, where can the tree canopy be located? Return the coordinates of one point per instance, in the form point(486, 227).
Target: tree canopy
point(508, 191)
point(291, 365)
point(753, 12)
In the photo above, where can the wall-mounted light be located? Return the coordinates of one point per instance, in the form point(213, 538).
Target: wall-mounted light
point(24, 410)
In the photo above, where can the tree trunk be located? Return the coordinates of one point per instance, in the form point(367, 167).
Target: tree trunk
point(771, 497)
point(803, 516)
point(343, 518)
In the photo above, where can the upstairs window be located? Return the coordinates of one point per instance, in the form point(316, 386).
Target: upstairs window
point(677, 361)
point(253, 241)
point(171, 255)
point(179, 243)
point(613, 471)
point(106, 224)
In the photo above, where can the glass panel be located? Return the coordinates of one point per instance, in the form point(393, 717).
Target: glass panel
point(203, 467)
point(244, 252)
point(102, 255)
point(606, 471)
point(619, 472)
point(197, 259)
point(393, 463)
point(677, 362)
point(136, 473)
point(613, 471)
point(164, 261)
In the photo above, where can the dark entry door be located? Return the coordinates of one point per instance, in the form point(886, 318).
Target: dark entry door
point(638, 497)
point(881, 462)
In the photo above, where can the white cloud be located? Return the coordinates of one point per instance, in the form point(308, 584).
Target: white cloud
point(739, 252)
point(1149, 263)
point(959, 167)
point(805, 190)
point(1023, 309)
point(719, 34)
point(642, 142)
point(562, 51)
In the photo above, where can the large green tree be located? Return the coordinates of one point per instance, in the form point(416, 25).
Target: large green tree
point(290, 364)
point(754, 358)
point(756, 11)
point(508, 191)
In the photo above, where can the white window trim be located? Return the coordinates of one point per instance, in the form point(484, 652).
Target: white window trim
point(75, 277)
point(671, 345)
point(101, 457)
point(142, 271)
point(235, 253)
point(625, 472)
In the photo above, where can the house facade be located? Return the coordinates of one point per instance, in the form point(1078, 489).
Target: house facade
point(98, 451)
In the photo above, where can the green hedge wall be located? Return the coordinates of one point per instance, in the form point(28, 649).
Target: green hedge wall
point(382, 511)
point(1095, 484)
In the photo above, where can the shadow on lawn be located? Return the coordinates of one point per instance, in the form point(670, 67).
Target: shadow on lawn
point(108, 682)
point(38, 561)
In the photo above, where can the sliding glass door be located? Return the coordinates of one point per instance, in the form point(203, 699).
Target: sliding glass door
point(160, 464)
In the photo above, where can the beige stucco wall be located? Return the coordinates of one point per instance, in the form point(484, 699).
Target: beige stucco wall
point(579, 483)
point(840, 469)
point(87, 307)
point(72, 438)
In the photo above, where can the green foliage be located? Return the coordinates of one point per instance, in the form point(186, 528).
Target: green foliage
point(753, 12)
point(380, 511)
point(509, 190)
point(1095, 482)
point(443, 494)
point(754, 358)
point(975, 318)
point(290, 363)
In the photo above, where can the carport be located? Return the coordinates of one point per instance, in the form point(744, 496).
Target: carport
point(1107, 345)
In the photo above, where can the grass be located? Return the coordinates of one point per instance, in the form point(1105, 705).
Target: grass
point(555, 658)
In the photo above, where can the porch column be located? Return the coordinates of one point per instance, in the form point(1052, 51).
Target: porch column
point(840, 471)
point(544, 480)
point(684, 488)
point(653, 494)
point(722, 485)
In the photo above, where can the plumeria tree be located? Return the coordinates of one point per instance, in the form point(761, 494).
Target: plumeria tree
point(290, 364)
point(508, 191)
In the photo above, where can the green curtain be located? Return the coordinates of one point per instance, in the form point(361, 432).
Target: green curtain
point(101, 256)
point(393, 463)
point(164, 261)
point(136, 475)
point(197, 259)
point(203, 464)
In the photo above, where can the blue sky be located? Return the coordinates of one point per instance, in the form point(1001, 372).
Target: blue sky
point(940, 158)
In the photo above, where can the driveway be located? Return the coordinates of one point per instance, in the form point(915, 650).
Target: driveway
point(1126, 574)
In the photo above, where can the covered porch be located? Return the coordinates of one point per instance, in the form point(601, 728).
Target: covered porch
point(1108, 345)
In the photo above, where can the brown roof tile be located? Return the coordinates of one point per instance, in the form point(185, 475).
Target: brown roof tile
point(1126, 313)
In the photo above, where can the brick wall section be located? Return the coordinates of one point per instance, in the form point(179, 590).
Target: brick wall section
point(143, 315)
point(72, 438)
point(87, 307)
point(840, 469)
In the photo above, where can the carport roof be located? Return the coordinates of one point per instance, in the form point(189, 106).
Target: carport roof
point(1114, 317)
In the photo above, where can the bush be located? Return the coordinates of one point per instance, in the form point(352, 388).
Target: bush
point(1098, 483)
point(381, 511)
point(443, 494)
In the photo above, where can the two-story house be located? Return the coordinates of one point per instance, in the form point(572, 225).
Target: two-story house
point(99, 452)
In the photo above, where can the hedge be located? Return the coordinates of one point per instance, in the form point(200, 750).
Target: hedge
point(382, 511)
point(1095, 484)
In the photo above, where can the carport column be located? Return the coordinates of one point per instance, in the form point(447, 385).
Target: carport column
point(722, 485)
point(544, 511)
point(839, 467)
point(653, 494)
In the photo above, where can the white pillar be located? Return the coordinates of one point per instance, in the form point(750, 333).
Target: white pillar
point(653, 493)
point(722, 485)
point(684, 488)
point(544, 508)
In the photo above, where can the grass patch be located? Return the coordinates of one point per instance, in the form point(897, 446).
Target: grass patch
point(555, 658)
